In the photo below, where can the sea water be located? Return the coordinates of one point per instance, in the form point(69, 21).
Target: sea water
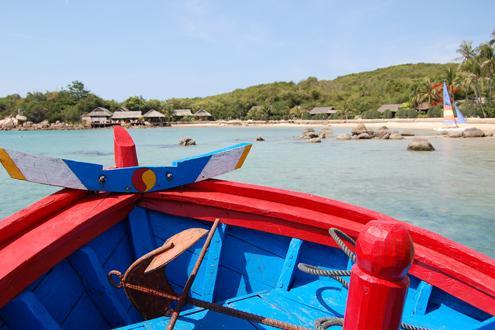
point(450, 191)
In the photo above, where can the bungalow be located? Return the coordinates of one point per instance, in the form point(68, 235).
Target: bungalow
point(322, 111)
point(99, 117)
point(155, 118)
point(393, 108)
point(129, 117)
point(180, 114)
point(423, 107)
point(203, 115)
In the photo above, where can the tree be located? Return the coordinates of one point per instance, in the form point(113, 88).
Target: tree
point(76, 90)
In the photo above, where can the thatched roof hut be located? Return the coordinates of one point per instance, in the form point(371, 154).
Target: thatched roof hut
point(425, 106)
point(126, 116)
point(322, 111)
point(153, 114)
point(100, 112)
point(202, 114)
point(182, 113)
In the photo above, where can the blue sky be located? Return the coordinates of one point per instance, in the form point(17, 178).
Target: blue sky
point(163, 49)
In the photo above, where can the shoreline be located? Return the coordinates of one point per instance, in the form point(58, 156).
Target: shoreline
point(485, 124)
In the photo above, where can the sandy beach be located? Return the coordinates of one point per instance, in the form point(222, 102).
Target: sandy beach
point(487, 125)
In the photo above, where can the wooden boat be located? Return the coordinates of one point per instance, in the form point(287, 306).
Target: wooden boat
point(57, 253)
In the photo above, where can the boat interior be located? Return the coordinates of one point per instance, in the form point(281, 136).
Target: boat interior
point(246, 269)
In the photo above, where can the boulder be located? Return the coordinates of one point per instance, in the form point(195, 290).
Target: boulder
point(8, 123)
point(360, 129)
point(343, 137)
point(260, 138)
point(473, 132)
point(420, 144)
point(383, 133)
point(325, 132)
point(315, 140)
point(396, 136)
point(187, 142)
point(364, 136)
point(44, 124)
point(407, 133)
point(454, 134)
point(309, 134)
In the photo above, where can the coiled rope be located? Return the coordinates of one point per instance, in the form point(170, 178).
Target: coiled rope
point(339, 237)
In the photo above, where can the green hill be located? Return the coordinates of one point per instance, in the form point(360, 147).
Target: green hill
point(354, 93)
point(351, 94)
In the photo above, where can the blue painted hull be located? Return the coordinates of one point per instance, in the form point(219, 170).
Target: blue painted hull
point(246, 269)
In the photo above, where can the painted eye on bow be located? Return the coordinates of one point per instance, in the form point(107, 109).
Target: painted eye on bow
point(143, 179)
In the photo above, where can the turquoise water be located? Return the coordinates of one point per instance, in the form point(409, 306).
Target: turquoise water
point(450, 191)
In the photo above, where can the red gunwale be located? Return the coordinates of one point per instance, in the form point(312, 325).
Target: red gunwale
point(79, 217)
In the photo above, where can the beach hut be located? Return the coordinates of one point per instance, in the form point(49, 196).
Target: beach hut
point(424, 107)
point(393, 108)
point(127, 117)
point(155, 118)
point(99, 117)
point(180, 114)
point(203, 115)
point(322, 112)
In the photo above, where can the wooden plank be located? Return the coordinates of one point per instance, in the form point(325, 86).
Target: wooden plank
point(86, 263)
point(209, 279)
point(141, 233)
point(38, 250)
point(18, 223)
point(88, 176)
point(287, 273)
point(124, 148)
point(26, 312)
point(423, 293)
point(487, 324)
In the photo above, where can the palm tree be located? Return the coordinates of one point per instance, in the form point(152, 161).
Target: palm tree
point(492, 40)
point(466, 50)
point(487, 66)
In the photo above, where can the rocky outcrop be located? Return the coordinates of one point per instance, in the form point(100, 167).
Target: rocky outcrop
point(315, 140)
point(363, 136)
point(309, 133)
point(360, 129)
point(420, 144)
point(396, 136)
point(260, 138)
point(343, 137)
point(455, 134)
point(383, 133)
point(473, 132)
point(187, 142)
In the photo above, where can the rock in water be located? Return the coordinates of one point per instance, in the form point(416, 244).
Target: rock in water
point(420, 144)
point(260, 138)
point(473, 132)
point(315, 140)
point(407, 133)
point(363, 136)
point(359, 129)
point(344, 137)
point(187, 142)
point(309, 133)
point(325, 132)
point(454, 134)
point(396, 136)
point(383, 133)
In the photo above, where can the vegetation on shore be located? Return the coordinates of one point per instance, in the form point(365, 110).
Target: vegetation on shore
point(359, 94)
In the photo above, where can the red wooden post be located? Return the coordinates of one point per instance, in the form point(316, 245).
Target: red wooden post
point(124, 148)
point(379, 280)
